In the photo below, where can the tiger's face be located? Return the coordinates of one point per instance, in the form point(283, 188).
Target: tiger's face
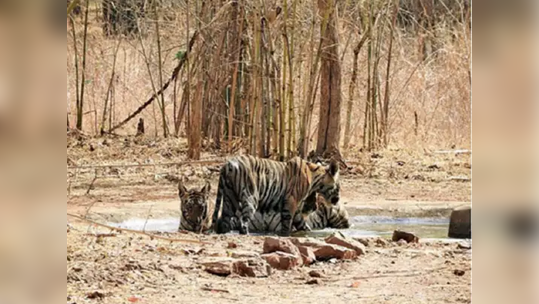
point(330, 187)
point(194, 203)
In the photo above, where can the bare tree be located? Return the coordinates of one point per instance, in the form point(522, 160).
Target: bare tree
point(329, 127)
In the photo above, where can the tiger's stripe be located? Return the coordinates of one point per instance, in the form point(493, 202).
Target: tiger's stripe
point(249, 185)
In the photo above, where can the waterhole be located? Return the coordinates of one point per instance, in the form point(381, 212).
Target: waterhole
point(362, 226)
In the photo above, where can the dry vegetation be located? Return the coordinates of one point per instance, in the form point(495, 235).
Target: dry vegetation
point(427, 83)
point(246, 76)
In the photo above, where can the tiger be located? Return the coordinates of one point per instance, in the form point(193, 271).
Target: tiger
point(328, 216)
point(248, 185)
point(323, 216)
point(194, 208)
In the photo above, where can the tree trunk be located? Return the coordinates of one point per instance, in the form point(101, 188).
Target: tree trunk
point(195, 124)
point(330, 91)
point(351, 91)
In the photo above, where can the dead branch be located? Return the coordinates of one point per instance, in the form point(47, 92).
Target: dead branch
point(194, 162)
point(101, 235)
point(214, 289)
point(153, 236)
point(399, 274)
point(90, 187)
point(163, 89)
point(456, 152)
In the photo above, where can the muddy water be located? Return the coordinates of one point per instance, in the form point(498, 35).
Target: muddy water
point(362, 226)
point(372, 226)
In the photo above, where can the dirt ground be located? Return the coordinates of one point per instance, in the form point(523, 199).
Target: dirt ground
point(132, 268)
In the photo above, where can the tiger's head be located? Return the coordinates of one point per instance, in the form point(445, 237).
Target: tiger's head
point(194, 204)
point(327, 181)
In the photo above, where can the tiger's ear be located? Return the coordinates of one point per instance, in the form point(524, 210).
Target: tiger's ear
point(182, 191)
point(333, 168)
point(206, 189)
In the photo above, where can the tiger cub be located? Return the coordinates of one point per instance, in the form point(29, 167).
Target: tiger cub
point(248, 185)
point(328, 216)
point(318, 214)
point(195, 213)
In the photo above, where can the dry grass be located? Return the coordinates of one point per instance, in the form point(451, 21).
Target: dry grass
point(437, 89)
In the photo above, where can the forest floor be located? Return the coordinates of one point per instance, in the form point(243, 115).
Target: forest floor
point(127, 268)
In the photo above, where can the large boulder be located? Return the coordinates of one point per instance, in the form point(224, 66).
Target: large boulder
point(460, 223)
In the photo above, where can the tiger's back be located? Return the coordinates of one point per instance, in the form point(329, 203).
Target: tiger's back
point(261, 193)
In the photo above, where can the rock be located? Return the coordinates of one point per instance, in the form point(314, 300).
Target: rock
point(252, 268)
point(315, 274)
point(307, 242)
point(220, 268)
point(313, 282)
point(281, 260)
point(324, 251)
point(339, 239)
point(232, 245)
point(459, 272)
point(331, 251)
point(465, 246)
point(460, 223)
point(244, 254)
point(402, 242)
point(95, 295)
point(380, 242)
point(365, 242)
point(402, 235)
point(272, 244)
point(307, 255)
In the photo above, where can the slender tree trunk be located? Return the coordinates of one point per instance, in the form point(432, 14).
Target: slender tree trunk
point(236, 55)
point(77, 83)
point(160, 66)
point(352, 89)
point(305, 127)
point(80, 106)
point(109, 90)
point(385, 112)
point(330, 90)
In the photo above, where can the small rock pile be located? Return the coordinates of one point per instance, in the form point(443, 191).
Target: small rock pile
point(287, 254)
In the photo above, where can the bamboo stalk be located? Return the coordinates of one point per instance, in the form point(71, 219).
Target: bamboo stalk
point(75, 49)
point(110, 88)
point(83, 77)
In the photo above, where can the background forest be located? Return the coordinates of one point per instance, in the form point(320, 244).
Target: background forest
point(273, 78)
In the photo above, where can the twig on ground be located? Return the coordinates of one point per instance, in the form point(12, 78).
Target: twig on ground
point(102, 235)
point(138, 232)
point(147, 218)
point(196, 162)
point(214, 289)
point(399, 274)
point(91, 184)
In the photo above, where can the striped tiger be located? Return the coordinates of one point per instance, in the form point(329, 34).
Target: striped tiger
point(328, 216)
point(323, 216)
point(248, 185)
point(194, 208)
